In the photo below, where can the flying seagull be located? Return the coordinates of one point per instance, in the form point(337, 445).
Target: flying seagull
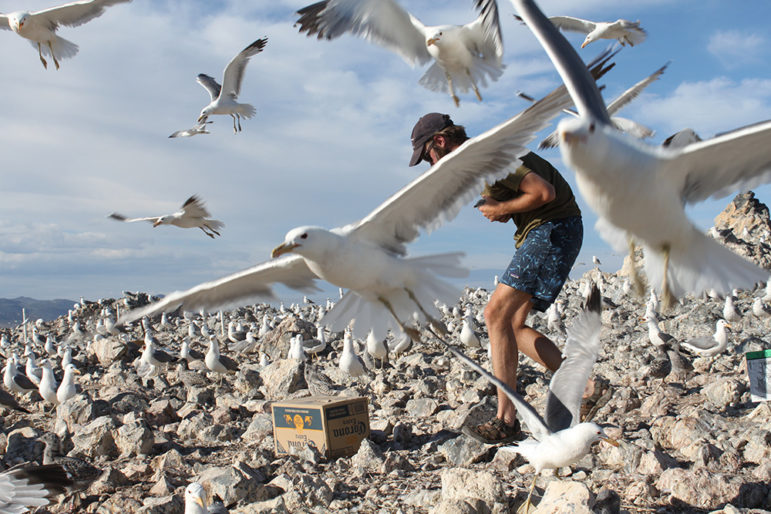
point(625, 31)
point(198, 128)
point(367, 257)
point(640, 191)
point(40, 27)
point(623, 124)
point(558, 438)
point(223, 98)
point(465, 55)
point(192, 214)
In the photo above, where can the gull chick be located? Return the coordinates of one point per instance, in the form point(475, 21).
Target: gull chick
point(465, 55)
point(223, 98)
point(192, 214)
point(40, 27)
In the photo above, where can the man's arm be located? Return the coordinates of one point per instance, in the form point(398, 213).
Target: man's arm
point(534, 192)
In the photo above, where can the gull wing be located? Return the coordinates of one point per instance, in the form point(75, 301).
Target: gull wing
point(193, 207)
point(75, 13)
point(5, 23)
point(734, 161)
point(532, 419)
point(210, 84)
point(631, 127)
point(573, 24)
point(581, 349)
point(437, 195)
point(121, 217)
point(486, 30)
point(235, 289)
point(633, 92)
point(383, 22)
point(582, 88)
point(234, 71)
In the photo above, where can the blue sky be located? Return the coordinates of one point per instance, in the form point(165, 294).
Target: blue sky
point(329, 143)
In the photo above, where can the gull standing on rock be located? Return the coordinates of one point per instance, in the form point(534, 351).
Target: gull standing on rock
point(729, 310)
point(192, 214)
point(639, 192)
point(377, 348)
point(465, 55)
point(349, 361)
point(48, 386)
point(223, 98)
point(67, 388)
point(468, 336)
point(710, 345)
point(385, 289)
point(40, 27)
point(217, 363)
point(14, 380)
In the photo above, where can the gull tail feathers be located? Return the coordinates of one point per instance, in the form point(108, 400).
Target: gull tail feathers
point(63, 49)
point(700, 264)
point(442, 264)
point(247, 110)
point(435, 78)
point(366, 315)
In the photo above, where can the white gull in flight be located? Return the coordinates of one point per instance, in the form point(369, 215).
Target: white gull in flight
point(625, 31)
point(223, 98)
point(465, 55)
point(40, 27)
point(192, 214)
point(368, 257)
point(639, 192)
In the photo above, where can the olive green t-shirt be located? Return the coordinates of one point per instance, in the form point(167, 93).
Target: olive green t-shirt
point(564, 204)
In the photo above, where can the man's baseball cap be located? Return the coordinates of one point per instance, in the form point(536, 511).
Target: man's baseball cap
point(424, 129)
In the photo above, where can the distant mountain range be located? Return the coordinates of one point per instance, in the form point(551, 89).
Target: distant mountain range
point(10, 309)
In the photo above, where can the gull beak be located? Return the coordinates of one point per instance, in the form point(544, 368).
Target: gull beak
point(584, 44)
point(199, 501)
point(610, 441)
point(77, 371)
point(283, 248)
point(570, 138)
point(728, 325)
point(202, 119)
point(432, 41)
point(155, 224)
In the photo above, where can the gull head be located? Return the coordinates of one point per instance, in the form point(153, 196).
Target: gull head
point(305, 241)
point(585, 434)
point(162, 220)
point(433, 40)
point(589, 39)
point(204, 115)
point(195, 495)
point(17, 20)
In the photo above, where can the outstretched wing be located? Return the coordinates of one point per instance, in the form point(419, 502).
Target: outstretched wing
point(581, 349)
point(121, 217)
point(437, 195)
point(234, 71)
point(5, 22)
point(735, 161)
point(383, 22)
point(235, 289)
point(572, 24)
point(210, 84)
point(633, 92)
point(75, 13)
point(532, 419)
point(193, 207)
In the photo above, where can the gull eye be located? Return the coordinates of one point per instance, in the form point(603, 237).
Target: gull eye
point(304, 236)
point(591, 128)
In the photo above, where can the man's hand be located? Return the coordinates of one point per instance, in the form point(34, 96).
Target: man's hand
point(493, 210)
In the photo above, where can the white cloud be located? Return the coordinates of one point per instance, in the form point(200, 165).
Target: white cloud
point(734, 48)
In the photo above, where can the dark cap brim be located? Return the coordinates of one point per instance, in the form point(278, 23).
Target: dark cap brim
point(417, 155)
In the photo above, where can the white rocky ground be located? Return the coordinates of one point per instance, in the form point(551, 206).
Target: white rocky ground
point(692, 441)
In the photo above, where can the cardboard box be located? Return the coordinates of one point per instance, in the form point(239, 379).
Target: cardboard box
point(333, 424)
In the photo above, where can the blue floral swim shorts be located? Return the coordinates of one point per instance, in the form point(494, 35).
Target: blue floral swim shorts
point(542, 264)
